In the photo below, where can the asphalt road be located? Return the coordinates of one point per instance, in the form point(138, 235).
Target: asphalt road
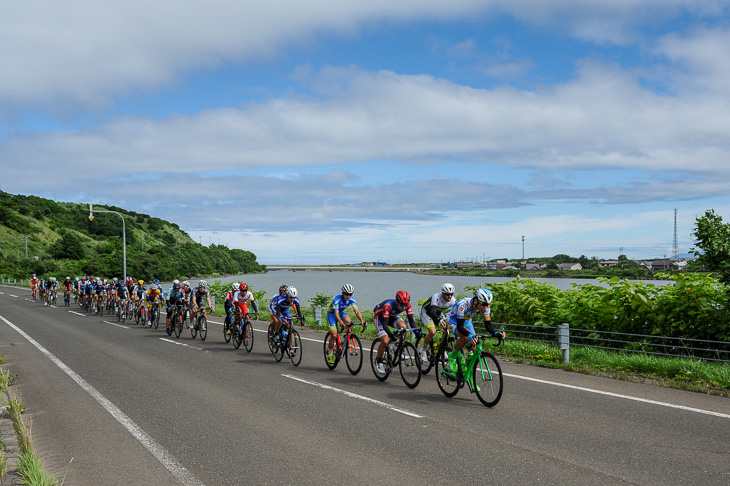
point(113, 405)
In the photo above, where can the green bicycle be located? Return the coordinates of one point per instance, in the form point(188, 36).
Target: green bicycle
point(483, 374)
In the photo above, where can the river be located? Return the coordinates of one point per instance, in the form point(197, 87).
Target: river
point(372, 287)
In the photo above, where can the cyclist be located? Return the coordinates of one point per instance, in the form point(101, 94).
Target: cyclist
point(152, 295)
point(175, 297)
point(386, 316)
point(198, 295)
point(336, 315)
point(431, 314)
point(88, 290)
point(34, 285)
point(460, 316)
point(241, 298)
point(67, 286)
point(228, 305)
point(121, 295)
point(186, 300)
point(279, 307)
point(99, 291)
point(51, 287)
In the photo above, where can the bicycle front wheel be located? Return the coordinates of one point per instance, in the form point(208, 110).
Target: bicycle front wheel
point(248, 336)
point(295, 347)
point(488, 379)
point(226, 330)
point(270, 336)
point(278, 347)
point(178, 325)
point(203, 328)
point(326, 349)
point(194, 328)
point(410, 365)
point(353, 354)
point(446, 379)
point(373, 361)
point(237, 336)
point(156, 318)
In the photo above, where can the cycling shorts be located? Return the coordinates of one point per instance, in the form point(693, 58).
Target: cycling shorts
point(333, 320)
point(380, 325)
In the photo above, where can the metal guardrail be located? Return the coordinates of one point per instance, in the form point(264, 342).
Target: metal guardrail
point(701, 349)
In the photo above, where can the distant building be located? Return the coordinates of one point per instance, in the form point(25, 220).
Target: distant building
point(570, 266)
point(532, 266)
point(608, 263)
point(663, 265)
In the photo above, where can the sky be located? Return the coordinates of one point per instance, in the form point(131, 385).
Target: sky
point(327, 132)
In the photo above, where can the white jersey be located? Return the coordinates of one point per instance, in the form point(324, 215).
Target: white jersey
point(243, 297)
point(437, 300)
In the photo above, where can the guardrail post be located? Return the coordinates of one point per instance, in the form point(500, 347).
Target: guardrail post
point(212, 301)
point(564, 342)
point(318, 314)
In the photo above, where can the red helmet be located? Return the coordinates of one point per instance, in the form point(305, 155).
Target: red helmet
point(403, 298)
point(243, 287)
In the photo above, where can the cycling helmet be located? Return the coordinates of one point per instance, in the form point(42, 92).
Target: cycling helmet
point(176, 282)
point(243, 287)
point(68, 278)
point(153, 287)
point(348, 289)
point(176, 287)
point(76, 279)
point(202, 284)
point(447, 288)
point(156, 281)
point(282, 289)
point(34, 275)
point(291, 291)
point(141, 282)
point(483, 295)
point(403, 298)
point(234, 286)
point(186, 283)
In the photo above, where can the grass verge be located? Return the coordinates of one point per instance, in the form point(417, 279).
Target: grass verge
point(30, 467)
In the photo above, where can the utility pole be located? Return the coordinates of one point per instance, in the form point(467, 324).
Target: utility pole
point(523, 248)
point(26, 246)
point(124, 235)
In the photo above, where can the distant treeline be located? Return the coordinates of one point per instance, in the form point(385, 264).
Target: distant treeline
point(62, 241)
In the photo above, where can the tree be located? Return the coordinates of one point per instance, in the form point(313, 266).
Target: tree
point(712, 238)
point(69, 246)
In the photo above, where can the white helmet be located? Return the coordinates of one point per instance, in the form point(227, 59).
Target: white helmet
point(234, 286)
point(203, 284)
point(447, 288)
point(348, 289)
point(291, 291)
point(176, 281)
point(483, 295)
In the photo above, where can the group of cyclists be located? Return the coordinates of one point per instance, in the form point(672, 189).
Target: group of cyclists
point(441, 309)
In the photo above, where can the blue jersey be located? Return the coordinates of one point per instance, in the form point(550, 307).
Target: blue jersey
point(281, 304)
point(463, 310)
point(339, 304)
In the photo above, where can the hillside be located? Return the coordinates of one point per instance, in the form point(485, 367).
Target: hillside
point(62, 241)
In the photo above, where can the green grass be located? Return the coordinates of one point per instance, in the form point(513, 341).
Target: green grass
point(32, 472)
point(688, 374)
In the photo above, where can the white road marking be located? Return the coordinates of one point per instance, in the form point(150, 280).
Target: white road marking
point(618, 395)
point(78, 313)
point(180, 344)
point(11, 295)
point(115, 324)
point(160, 453)
point(355, 395)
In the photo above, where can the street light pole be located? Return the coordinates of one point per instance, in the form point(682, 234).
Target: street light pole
point(124, 234)
point(523, 248)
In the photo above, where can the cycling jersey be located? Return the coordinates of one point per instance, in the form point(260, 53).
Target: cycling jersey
point(280, 305)
point(153, 294)
point(340, 305)
point(386, 316)
point(461, 313)
point(433, 307)
point(199, 297)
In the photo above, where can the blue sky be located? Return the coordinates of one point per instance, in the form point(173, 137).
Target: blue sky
point(338, 132)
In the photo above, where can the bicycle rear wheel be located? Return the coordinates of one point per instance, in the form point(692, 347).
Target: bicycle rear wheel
point(373, 359)
point(203, 328)
point(248, 336)
point(294, 349)
point(488, 379)
point(278, 347)
point(226, 330)
point(237, 336)
point(326, 353)
point(353, 354)
point(410, 365)
point(426, 364)
point(178, 325)
point(270, 337)
point(446, 379)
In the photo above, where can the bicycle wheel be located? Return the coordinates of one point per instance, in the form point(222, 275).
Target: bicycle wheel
point(488, 379)
point(156, 317)
point(237, 337)
point(178, 325)
point(248, 336)
point(119, 314)
point(410, 365)
point(373, 358)
point(327, 354)
point(194, 328)
point(100, 308)
point(446, 379)
point(270, 337)
point(226, 330)
point(278, 347)
point(294, 349)
point(137, 316)
point(203, 328)
point(426, 364)
point(353, 354)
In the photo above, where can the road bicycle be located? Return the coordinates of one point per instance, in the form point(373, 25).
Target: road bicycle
point(140, 312)
point(100, 299)
point(155, 314)
point(241, 330)
point(351, 350)
point(286, 341)
point(120, 311)
point(66, 298)
point(200, 325)
point(483, 374)
point(401, 353)
point(445, 338)
point(176, 321)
